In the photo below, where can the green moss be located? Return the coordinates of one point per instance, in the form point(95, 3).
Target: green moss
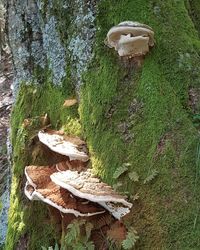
point(141, 117)
point(193, 7)
point(127, 115)
point(29, 221)
point(1, 205)
point(63, 17)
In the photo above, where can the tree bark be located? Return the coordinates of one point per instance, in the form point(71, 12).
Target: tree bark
point(147, 117)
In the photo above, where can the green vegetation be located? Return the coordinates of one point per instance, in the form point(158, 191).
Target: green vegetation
point(1, 205)
point(25, 217)
point(140, 116)
point(151, 105)
point(131, 239)
point(193, 7)
point(78, 236)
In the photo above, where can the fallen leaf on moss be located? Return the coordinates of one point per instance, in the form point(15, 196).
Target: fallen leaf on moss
point(70, 102)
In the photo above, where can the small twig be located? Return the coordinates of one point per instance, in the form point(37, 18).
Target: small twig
point(5, 106)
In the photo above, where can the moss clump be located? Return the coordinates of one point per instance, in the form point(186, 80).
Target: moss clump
point(30, 221)
point(141, 117)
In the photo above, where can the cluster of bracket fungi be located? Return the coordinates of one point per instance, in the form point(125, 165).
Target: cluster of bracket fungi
point(130, 39)
point(69, 186)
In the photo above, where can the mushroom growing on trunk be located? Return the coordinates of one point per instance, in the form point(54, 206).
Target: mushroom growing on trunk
point(40, 187)
point(85, 185)
point(130, 39)
point(73, 147)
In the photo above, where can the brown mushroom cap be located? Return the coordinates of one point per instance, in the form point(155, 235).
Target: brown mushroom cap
point(71, 165)
point(40, 187)
point(86, 186)
point(128, 33)
point(73, 147)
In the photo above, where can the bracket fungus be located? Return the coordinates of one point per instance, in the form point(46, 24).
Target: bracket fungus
point(73, 147)
point(130, 39)
point(68, 185)
point(87, 186)
point(40, 187)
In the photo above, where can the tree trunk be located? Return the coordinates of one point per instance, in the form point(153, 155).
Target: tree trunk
point(147, 117)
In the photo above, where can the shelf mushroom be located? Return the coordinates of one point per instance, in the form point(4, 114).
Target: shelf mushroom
point(130, 39)
point(67, 186)
point(85, 185)
point(40, 187)
point(73, 147)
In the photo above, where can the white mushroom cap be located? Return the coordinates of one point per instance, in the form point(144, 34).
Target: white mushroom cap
point(64, 145)
point(136, 46)
point(86, 186)
point(40, 187)
point(119, 35)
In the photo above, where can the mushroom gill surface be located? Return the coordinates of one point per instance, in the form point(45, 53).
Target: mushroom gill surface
point(87, 186)
point(40, 187)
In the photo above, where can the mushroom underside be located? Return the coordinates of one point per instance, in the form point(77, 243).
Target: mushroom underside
point(40, 187)
point(86, 186)
point(68, 185)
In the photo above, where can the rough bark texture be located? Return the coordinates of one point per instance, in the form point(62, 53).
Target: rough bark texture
point(146, 117)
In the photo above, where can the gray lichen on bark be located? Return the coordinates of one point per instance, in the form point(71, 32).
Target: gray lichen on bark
point(35, 40)
point(81, 41)
point(23, 28)
point(54, 50)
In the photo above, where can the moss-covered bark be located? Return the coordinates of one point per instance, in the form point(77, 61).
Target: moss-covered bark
point(140, 117)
